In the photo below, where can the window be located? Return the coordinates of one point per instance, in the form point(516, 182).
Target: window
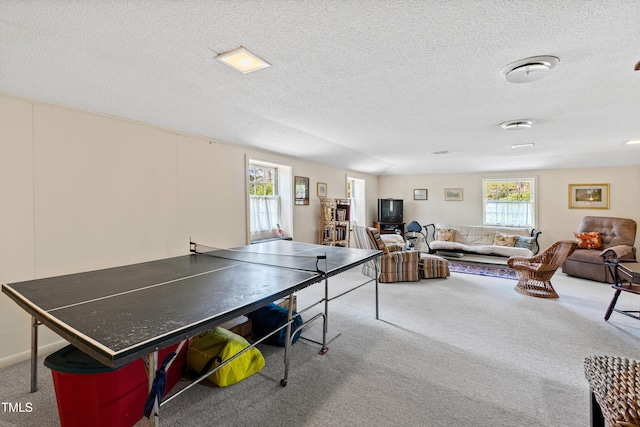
point(264, 200)
point(270, 199)
point(509, 202)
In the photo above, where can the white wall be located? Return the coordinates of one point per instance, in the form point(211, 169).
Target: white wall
point(81, 191)
point(555, 219)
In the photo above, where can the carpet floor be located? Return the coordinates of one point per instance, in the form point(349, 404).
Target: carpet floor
point(465, 350)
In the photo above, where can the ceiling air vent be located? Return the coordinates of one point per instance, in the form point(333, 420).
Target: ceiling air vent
point(529, 69)
point(516, 124)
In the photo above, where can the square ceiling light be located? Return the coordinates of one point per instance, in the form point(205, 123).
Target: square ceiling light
point(243, 60)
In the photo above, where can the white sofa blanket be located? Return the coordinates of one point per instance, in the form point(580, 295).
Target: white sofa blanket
point(485, 240)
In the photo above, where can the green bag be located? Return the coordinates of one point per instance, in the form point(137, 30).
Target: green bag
point(209, 349)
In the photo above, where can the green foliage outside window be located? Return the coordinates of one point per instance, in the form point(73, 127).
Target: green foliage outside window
point(508, 191)
point(262, 181)
point(261, 189)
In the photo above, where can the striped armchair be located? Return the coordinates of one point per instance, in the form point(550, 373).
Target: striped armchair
point(395, 266)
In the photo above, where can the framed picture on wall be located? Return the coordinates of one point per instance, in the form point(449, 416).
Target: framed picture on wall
point(453, 194)
point(321, 189)
point(588, 196)
point(301, 190)
point(420, 194)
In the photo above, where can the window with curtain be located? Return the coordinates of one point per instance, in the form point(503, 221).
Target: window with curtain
point(509, 202)
point(264, 200)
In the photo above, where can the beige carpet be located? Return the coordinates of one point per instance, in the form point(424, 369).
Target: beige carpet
point(467, 350)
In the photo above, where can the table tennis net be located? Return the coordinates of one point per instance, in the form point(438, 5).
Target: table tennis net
point(298, 262)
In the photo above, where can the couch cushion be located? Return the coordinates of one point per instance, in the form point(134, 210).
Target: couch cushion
point(445, 235)
point(501, 239)
point(588, 240)
point(589, 256)
point(525, 242)
point(505, 251)
point(375, 236)
point(394, 242)
point(480, 234)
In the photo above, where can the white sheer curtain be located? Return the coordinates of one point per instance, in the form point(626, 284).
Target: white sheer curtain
point(517, 214)
point(358, 200)
point(265, 211)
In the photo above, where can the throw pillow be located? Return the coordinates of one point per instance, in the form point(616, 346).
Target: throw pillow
point(525, 242)
point(588, 240)
point(445, 234)
point(373, 232)
point(501, 239)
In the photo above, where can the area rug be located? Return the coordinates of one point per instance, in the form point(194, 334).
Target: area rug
point(501, 271)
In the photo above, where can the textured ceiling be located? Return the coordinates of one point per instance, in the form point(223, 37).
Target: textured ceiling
point(375, 86)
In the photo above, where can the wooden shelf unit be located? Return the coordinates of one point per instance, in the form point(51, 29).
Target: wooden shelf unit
point(335, 222)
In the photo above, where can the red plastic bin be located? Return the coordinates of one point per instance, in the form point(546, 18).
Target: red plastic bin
point(89, 393)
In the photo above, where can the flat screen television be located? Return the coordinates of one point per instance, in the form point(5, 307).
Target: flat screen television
point(390, 210)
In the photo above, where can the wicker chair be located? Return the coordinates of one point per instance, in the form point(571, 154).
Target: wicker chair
point(615, 390)
point(535, 273)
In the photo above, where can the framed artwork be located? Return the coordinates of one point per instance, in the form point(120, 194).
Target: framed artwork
point(588, 196)
point(301, 190)
point(420, 194)
point(453, 194)
point(321, 189)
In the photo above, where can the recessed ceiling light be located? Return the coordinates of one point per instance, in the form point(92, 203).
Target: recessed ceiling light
point(243, 60)
point(633, 142)
point(529, 145)
point(516, 124)
point(529, 69)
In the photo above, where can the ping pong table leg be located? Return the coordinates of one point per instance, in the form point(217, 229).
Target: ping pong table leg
point(325, 326)
point(287, 344)
point(376, 278)
point(34, 354)
point(152, 365)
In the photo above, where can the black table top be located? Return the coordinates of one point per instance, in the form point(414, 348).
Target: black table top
point(119, 314)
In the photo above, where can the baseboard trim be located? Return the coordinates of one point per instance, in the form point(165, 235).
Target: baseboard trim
point(26, 355)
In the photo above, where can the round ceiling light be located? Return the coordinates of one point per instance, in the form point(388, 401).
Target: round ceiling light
point(516, 124)
point(529, 69)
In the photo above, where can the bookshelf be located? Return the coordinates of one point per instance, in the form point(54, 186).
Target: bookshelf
point(335, 222)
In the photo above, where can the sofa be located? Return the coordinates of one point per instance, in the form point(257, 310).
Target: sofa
point(457, 240)
point(601, 238)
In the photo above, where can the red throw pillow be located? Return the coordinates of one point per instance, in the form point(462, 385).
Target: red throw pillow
point(588, 240)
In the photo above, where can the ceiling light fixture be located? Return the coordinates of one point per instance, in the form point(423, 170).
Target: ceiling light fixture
point(516, 124)
point(529, 145)
point(243, 60)
point(529, 69)
point(633, 142)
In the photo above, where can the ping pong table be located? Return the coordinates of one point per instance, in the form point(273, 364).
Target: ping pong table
point(120, 314)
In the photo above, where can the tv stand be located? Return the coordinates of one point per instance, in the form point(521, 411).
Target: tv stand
point(389, 227)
